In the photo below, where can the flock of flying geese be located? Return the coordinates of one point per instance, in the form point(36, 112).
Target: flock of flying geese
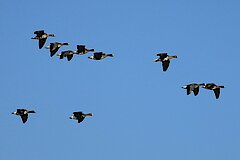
point(41, 36)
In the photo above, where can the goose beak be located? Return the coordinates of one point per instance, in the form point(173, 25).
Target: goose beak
point(155, 60)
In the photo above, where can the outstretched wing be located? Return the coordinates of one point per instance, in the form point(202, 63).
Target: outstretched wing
point(19, 110)
point(195, 91)
point(162, 55)
point(189, 91)
point(24, 118)
point(69, 57)
point(53, 48)
point(39, 33)
point(80, 119)
point(61, 56)
point(98, 55)
point(78, 114)
point(81, 49)
point(165, 65)
point(217, 92)
point(42, 42)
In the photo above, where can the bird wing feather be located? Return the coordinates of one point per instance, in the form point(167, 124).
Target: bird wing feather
point(217, 92)
point(98, 55)
point(165, 65)
point(42, 42)
point(24, 118)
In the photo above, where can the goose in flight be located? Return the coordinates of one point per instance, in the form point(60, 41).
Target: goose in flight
point(99, 56)
point(165, 59)
point(54, 47)
point(42, 37)
point(23, 113)
point(214, 87)
point(194, 87)
point(79, 116)
point(81, 49)
point(69, 54)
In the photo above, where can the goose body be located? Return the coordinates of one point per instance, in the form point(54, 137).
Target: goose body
point(81, 49)
point(80, 116)
point(69, 54)
point(54, 47)
point(99, 56)
point(23, 113)
point(194, 87)
point(42, 37)
point(214, 87)
point(165, 59)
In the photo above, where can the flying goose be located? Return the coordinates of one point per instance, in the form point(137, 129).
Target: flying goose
point(214, 87)
point(23, 113)
point(55, 46)
point(193, 87)
point(81, 49)
point(42, 37)
point(165, 59)
point(100, 55)
point(69, 54)
point(80, 116)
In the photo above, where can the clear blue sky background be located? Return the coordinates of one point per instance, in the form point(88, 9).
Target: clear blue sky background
point(140, 112)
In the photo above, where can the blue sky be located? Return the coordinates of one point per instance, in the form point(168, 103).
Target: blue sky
point(140, 112)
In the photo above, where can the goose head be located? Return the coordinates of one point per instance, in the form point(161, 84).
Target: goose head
point(157, 60)
point(14, 113)
point(184, 87)
point(203, 85)
point(91, 57)
point(47, 47)
point(34, 38)
point(72, 117)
